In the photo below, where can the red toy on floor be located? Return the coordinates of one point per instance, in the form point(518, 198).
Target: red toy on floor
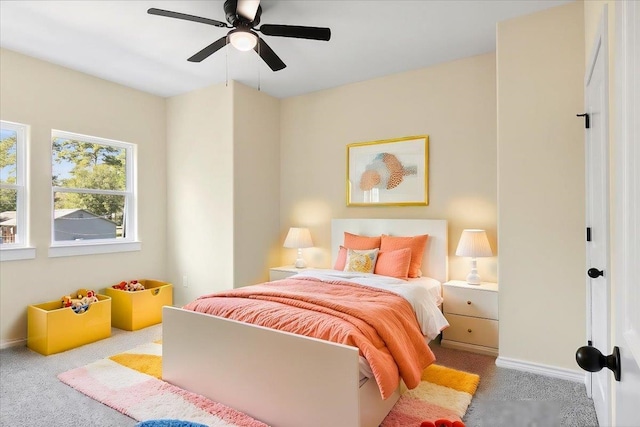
point(442, 423)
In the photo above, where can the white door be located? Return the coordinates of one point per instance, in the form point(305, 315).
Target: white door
point(626, 192)
point(597, 217)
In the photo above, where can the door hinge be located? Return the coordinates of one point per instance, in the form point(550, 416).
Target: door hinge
point(588, 234)
point(586, 119)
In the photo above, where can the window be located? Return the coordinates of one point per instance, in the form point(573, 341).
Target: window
point(13, 193)
point(93, 194)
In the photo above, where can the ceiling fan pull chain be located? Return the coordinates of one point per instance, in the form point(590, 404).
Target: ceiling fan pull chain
point(258, 62)
point(226, 65)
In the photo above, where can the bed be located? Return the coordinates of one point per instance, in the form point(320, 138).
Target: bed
point(281, 378)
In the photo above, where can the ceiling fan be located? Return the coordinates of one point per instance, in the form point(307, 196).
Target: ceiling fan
point(243, 16)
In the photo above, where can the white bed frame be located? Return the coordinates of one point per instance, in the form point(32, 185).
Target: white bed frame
point(283, 379)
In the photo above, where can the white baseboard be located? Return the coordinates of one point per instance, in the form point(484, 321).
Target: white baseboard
point(13, 343)
point(539, 369)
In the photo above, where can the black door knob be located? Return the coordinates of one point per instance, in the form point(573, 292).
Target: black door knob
point(594, 273)
point(590, 359)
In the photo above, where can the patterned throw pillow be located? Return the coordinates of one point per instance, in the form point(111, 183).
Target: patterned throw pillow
point(361, 261)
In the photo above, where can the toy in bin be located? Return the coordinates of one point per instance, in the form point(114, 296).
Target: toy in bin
point(81, 303)
point(130, 286)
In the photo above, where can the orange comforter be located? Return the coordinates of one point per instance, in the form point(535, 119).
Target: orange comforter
point(380, 323)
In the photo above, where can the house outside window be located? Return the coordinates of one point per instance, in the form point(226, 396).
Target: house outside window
point(14, 232)
point(93, 195)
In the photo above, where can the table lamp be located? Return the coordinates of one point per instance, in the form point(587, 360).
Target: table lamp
point(474, 244)
point(298, 238)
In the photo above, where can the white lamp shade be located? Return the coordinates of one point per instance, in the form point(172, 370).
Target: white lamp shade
point(298, 238)
point(474, 243)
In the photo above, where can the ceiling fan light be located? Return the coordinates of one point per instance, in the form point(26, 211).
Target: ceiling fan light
point(243, 40)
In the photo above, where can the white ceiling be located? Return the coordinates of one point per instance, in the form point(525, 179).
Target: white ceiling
point(120, 42)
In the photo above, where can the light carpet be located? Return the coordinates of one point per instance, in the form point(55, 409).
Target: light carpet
point(130, 383)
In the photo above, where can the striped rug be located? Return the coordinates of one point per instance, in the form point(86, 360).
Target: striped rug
point(443, 393)
point(130, 383)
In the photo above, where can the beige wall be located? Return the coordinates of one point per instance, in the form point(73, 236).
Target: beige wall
point(454, 103)
point(223, 188)
point(541, 186)
point(256, 142)
point(200, 191)
point(46, 96)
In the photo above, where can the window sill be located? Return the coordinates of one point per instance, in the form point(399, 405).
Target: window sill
point(16, 254)
point(93, 248)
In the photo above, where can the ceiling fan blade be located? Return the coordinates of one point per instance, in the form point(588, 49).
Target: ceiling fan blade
point(269, 56)
point(209, 50)
point(313, 33)
point(248, 8)
point(178, 15)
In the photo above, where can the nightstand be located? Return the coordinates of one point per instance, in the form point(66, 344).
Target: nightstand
point(472, 312)
point(277, 273)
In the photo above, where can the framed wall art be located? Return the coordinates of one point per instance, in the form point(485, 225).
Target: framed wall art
point(390, 172)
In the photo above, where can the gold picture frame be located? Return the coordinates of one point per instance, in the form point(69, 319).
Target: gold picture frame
point(389, 172)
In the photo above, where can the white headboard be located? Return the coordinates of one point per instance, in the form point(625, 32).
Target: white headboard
point(434, 260)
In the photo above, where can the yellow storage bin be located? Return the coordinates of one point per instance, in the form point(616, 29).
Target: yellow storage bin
point(136, 310)
point(52, 329)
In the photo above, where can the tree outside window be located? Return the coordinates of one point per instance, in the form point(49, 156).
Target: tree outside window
point(12, 184)
point(92, 187)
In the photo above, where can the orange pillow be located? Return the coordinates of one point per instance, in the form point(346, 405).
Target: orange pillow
point(341, 259)
point(354, 241)
point(394, 263)
point(417, 245)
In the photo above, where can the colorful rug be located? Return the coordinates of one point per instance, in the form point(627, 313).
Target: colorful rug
point(130, 383)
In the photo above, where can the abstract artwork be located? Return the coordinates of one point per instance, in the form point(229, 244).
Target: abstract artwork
point(390, 172)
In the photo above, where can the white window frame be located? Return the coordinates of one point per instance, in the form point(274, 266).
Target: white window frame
point(20, 249)
point(100, 246)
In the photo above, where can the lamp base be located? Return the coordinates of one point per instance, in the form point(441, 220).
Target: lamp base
point(473, 278)
point(300, 261)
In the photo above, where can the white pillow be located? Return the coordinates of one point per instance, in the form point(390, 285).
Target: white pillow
point(361, 261)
